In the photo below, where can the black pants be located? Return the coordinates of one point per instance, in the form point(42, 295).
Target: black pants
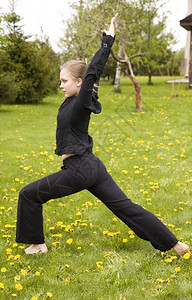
point(86, 172)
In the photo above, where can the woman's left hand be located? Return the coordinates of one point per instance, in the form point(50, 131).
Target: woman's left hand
point(111, 30)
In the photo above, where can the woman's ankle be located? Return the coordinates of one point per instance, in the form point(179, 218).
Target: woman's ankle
point(181, 248)
point(35, 248)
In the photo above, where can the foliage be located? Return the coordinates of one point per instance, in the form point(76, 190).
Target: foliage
point(29, 69)
point(141, 29)
point(148, 155)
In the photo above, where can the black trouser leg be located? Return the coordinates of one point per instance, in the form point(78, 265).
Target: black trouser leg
point(146, 225)
point(86, 172)
point(31, 197)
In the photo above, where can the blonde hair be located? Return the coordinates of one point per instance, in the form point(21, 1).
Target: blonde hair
point(77, 68)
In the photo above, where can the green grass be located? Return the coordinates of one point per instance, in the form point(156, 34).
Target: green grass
point(148, 154)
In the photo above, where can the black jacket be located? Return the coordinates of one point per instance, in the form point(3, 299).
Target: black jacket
point(74, 113)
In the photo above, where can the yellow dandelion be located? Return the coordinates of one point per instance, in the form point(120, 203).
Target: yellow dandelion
point(8, 251)
point(23, 272)
point(2, 286)
point(3, 270)
point(69, 241)
point(125, 240)
point(68, 227)
point(49, 294)
point(66, 281)
point(173, 257)
point(99, 263)
point(17, 277)
point(51, 228)
point(168, 281)
point(18, 286)
point(17, 257)
point(55, 243)
point(105, 232)
point(187, 222)
point(57, 235)
point(37, 273)
point(124, 172)
point(124, 261)
point(186, 256)
point(106, 255)
point(34, 298)
point(160, 280)
point(177, 269)
point(168, 260)
point(131, 236)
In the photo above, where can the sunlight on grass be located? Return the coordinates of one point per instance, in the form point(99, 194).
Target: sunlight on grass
point(92, 254)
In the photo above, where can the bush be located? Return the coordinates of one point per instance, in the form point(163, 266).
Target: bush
point(29, 70)
point(9, 89)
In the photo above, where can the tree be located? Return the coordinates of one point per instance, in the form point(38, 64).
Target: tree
point(137, 23)
point(29, 69)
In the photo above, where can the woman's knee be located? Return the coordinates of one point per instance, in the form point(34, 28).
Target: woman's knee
point(26, 192)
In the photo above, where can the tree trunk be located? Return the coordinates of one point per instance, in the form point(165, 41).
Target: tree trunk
point(126, 61)
point(118, 74)
point(149, 79)
point(136, 85)
point(117, 77)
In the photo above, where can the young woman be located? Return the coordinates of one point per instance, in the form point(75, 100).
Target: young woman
point(81, 168)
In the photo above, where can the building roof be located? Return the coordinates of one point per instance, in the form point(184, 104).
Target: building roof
point(187, 23)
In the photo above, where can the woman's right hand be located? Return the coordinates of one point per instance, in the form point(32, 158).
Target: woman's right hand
point(111, 30)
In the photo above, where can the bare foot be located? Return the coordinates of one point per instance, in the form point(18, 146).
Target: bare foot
point(181, 248)
point(35, 248)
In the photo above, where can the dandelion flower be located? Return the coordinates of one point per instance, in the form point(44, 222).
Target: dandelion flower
point(186, 256)
point(17, 277)
point(168, 281)
point(3, 270)
point(177, 269)
point(49, 294)
point(37, 273)
point(106, 255)
point(2, 286)
point(8, 250)
point(168, 260)
point(160, 280)
point(23, 272)
point(69, 241)
point(99, 263)
point(18, 286)
point(124, 240)
point(66, 281)
point(124, 261)
point(131, 236)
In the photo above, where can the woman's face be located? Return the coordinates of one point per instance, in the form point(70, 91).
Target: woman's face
point(69, 85)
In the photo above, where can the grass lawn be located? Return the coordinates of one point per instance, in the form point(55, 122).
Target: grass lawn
point(92, 254)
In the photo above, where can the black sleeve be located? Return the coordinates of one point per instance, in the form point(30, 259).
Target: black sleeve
point(93, 74)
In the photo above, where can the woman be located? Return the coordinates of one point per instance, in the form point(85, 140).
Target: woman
point(81, 168)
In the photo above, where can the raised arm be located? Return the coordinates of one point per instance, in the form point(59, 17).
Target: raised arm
point(97, 64)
